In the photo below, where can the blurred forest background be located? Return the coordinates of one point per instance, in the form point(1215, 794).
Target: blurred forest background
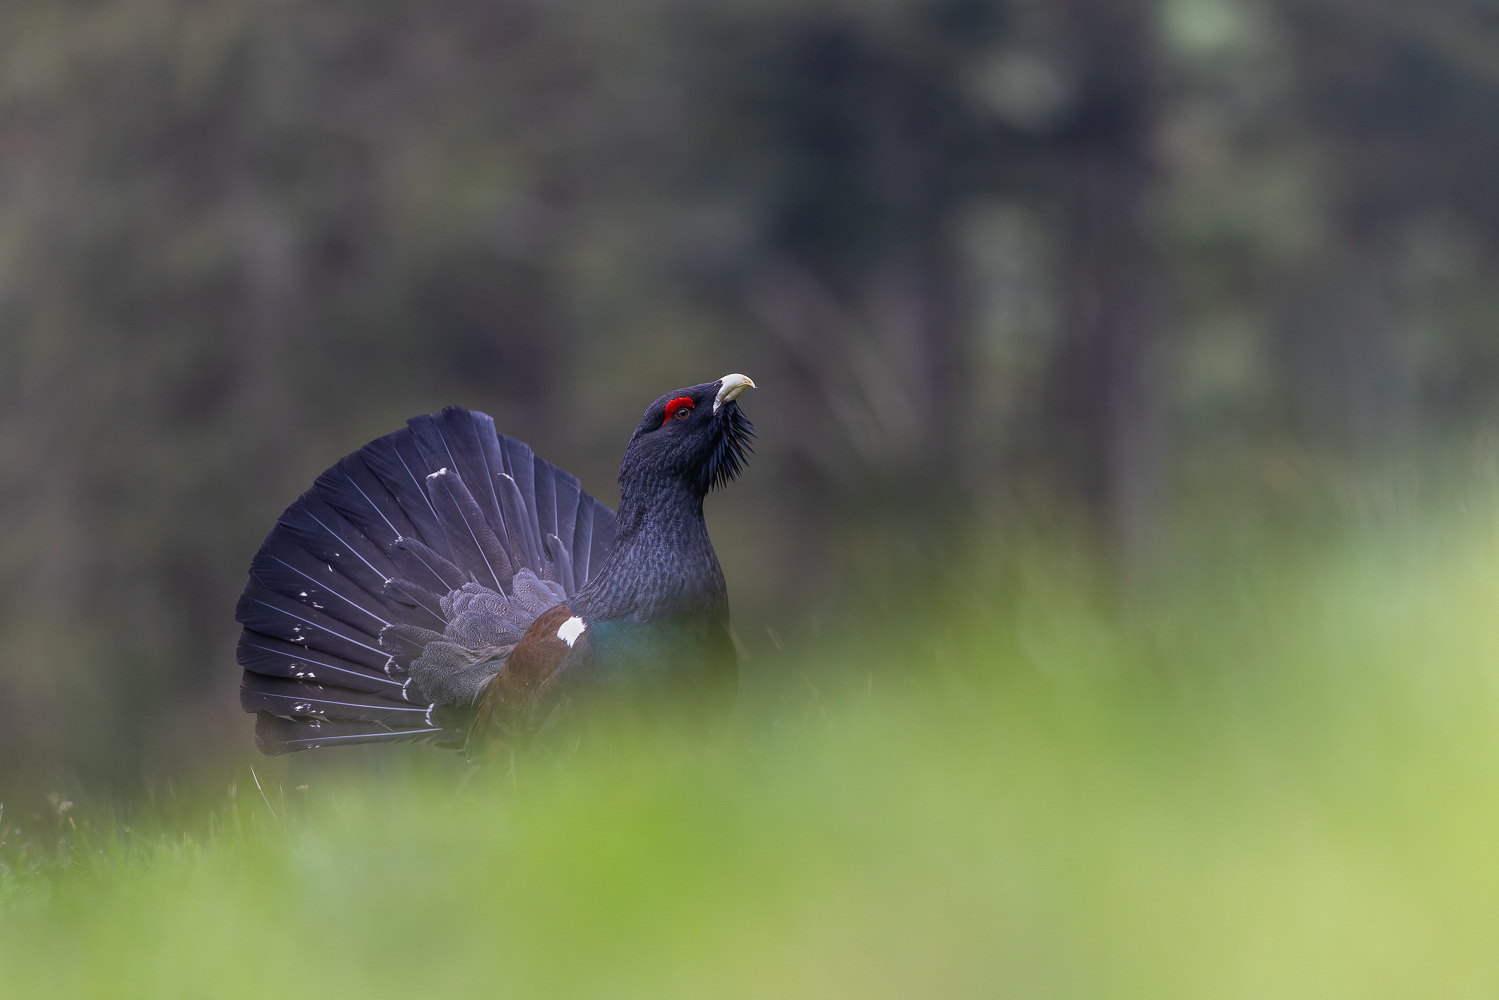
point(1154, 276)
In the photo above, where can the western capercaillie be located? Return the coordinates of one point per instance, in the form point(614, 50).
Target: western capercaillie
point(444, 584)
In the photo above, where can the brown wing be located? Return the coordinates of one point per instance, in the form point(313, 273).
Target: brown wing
point(508, 705)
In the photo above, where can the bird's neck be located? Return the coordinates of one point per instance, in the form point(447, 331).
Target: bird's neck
point(658, 505)
point(663, 564)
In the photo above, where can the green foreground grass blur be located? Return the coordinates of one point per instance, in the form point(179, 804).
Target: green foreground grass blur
point(1282, 782)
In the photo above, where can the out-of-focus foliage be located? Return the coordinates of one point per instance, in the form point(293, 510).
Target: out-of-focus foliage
point(987, 258)
point(1276, 784)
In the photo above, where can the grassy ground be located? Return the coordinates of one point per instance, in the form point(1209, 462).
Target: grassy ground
point(1283, 781)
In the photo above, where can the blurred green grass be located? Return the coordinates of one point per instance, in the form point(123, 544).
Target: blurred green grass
point(1276, 780)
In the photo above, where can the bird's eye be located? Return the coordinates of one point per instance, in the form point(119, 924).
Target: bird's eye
point(680, 408)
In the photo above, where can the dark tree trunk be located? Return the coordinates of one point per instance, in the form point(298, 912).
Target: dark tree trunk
point(1104, 400)
point(860, 288)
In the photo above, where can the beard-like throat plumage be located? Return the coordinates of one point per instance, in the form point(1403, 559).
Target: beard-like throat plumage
point(730, 449)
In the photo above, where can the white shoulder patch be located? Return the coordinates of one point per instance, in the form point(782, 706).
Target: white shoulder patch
point(571, 629)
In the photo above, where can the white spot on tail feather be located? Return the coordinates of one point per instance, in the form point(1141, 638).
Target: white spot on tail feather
point(439, 472)
point(571, 629)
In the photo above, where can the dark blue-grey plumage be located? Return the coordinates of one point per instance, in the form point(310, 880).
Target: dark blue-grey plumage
point(404, 596)
point(365, 559)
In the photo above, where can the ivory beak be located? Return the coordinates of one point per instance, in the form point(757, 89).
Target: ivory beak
point(733, 386)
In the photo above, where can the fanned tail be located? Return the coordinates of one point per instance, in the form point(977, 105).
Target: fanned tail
point(384, 597)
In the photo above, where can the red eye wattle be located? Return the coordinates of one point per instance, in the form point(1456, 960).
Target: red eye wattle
point(681, 408)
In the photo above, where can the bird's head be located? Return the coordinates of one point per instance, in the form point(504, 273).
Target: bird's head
point(697, 436)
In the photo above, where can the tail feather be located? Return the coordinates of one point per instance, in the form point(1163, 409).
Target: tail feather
point(292, 572)
point(493, 451)
point(545, 485)
point(277, 735)
point(269, 613)
point(425, 567)
point(603, 538)
point(325, 534)
point(475, 544)
point(405, 643)
point(583, 539)
point(560, 564)
point(262, 654)
point(411, 595)
point(398, 463)
point(293, 698)
point(513, 510)
point(568, 491)
point(450, 441)
point(353, 489)
point(476, 448)
point(520, 466)
point(364, 572)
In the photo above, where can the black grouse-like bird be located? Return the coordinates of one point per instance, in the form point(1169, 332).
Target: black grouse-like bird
point(444, 584)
